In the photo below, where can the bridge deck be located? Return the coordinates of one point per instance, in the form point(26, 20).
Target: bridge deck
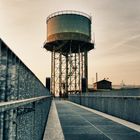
point(81, 124)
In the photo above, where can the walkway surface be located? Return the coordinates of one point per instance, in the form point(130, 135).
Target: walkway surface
point(53, 129)
point(78, 123)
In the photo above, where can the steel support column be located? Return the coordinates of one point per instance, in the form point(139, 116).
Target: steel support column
point(86, 69)
point(68, 69)
point(66, 77)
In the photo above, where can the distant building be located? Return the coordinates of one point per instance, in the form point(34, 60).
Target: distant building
point(103, 84)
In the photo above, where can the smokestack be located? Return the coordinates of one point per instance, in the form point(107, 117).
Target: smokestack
point(96, 77)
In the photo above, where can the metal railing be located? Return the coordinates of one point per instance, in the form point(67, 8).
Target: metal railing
point(4, 106)
point(24, 100)
point(68, 12)
point(125, 107)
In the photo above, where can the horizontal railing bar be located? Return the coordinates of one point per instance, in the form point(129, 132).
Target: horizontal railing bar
point(68, 12)
point(103, 96)
point(14, 104)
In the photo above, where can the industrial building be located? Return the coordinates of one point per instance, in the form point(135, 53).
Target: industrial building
point(103, 84)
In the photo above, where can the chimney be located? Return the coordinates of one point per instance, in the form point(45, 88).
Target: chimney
point(96, 77)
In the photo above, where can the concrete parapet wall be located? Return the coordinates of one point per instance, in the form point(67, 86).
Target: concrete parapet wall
point(24, 107)
point(117, 92)
point(125, 107)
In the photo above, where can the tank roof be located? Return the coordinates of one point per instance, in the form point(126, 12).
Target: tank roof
point(68, 12)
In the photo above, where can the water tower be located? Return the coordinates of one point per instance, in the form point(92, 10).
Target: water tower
point(69, 40)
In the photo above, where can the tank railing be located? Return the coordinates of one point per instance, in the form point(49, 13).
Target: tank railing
point(68, 12)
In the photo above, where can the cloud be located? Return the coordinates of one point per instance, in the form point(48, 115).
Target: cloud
point(126, 41)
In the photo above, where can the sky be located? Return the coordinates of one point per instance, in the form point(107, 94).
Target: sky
point(115, 29)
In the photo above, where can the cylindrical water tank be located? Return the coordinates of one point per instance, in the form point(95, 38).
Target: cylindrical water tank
point(69, 25)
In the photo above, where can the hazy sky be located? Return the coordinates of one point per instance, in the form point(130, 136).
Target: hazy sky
point(115, 25)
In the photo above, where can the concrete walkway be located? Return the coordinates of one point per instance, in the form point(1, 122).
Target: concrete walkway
point(81, 124)
point(53, 128)
point(74, 122)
